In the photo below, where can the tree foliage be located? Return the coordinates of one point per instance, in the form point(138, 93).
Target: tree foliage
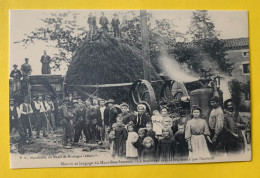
point(63, 32)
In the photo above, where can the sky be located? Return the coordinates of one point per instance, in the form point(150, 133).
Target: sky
point(230, 24)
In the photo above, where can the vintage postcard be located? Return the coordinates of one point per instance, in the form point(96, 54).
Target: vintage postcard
point(128, 87)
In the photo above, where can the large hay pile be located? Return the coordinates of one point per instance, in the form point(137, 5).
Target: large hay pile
point(106, 61)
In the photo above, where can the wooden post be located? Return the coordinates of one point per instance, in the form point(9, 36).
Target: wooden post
point(145, 46)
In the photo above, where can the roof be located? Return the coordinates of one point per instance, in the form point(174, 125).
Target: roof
point(236, 43)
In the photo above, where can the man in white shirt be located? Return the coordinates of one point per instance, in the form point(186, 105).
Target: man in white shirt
point(26, 110)
point(104, 115)
point(41, 117)
point(49, 111)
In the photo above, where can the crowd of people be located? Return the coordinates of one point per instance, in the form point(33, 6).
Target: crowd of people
point(137, 135)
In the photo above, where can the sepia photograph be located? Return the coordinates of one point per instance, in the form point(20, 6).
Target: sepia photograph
point(128, 87)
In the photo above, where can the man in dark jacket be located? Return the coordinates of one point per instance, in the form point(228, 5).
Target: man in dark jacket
point(233, 126)
point(88, 120)
point(46, 60)
point(15, 122)
point(80, 121)
point(103, 21)
point(115, 25)
point(102, 119)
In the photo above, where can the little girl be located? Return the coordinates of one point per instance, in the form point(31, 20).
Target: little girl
point(112, 136)
point(139, 143)
point(165, 150)
point(131, 151)
point(148, 152)
point(157, 120)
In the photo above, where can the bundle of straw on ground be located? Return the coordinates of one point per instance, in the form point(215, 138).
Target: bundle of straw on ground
point(107, 60)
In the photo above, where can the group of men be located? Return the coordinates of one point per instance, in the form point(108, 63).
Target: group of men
point(36, 115)
point(227, 127)
point(21, 77)
point(103, 21)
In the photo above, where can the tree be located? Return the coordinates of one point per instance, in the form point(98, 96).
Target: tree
point(60, 31)
point(201, 26)
point(205, 49)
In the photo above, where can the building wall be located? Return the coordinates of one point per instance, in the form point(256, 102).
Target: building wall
point(240, 58)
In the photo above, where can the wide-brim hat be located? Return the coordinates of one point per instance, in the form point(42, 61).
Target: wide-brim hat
point(110, 101)
point(124, 105)
point(11, 99)
point(47, 96)
point(15, 65)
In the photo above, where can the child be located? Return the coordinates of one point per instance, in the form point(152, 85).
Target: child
point(131, 151)
point(181, 146)
point(120, 138)
point(126, 116)
point(157, 123)
point(165, 150)
point(148, 152)
point(112, 139)
point(151, 133)
point(139, 143)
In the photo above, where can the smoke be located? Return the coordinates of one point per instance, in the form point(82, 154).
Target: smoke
point(175, 71)
point(181, 73)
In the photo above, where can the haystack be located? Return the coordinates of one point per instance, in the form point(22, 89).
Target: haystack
point(106, 60)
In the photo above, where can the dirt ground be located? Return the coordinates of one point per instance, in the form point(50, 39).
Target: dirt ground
point(52, 145)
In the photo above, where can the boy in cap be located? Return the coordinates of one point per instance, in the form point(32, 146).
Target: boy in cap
point(126, 116)
point(112, 112)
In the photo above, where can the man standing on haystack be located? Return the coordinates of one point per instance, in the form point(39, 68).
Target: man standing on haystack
point(115, 25)
point(46, 60)
point(103, 21)
point(92, 25)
